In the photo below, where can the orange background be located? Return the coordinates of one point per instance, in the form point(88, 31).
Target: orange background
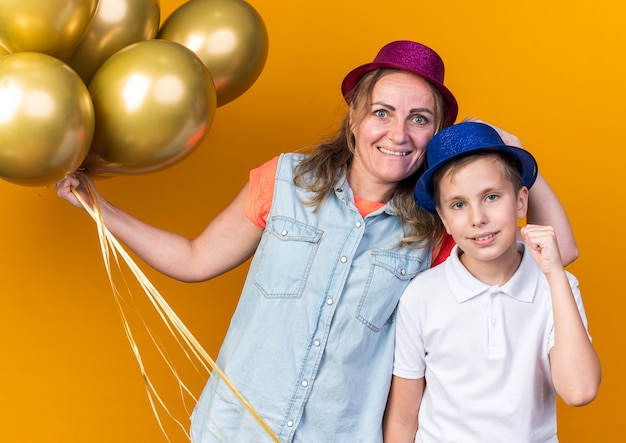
point(550, 72)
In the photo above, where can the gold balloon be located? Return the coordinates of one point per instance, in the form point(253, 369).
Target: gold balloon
point(115, 25)
point(46, 119)
point(154, 103)
point(53, 27)
point(228, 35)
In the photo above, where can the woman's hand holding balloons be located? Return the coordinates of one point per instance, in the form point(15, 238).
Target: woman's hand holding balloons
point(76, 182)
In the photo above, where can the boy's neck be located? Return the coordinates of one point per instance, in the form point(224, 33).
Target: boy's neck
point(493, 272)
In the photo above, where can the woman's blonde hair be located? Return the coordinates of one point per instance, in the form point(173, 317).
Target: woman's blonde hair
point(330, 160)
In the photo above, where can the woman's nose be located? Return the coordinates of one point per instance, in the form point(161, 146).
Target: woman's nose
point(398, 133)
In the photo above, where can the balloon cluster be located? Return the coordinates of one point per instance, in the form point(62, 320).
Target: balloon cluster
point(102, 85)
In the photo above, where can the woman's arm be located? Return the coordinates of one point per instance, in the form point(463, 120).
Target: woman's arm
point(400, 422)
point(574, 364)
point(229, 240)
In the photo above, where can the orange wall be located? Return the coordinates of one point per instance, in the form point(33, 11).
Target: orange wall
point(551, 72)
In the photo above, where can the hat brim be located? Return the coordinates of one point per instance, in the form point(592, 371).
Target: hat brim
point(424, 188)
point(352, 79)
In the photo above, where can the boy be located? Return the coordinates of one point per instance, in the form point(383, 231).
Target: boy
point(486, 340)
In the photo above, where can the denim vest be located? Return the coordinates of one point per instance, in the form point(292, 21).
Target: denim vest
point(311, 342)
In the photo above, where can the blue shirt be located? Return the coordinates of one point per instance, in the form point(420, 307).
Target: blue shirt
point(311, 342)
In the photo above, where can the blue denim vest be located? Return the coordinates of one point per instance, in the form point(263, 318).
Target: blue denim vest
point(311, 342)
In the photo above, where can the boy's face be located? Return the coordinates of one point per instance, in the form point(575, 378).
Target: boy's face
point(480, 209)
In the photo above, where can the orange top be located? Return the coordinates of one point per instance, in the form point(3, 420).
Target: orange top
point(261, 190)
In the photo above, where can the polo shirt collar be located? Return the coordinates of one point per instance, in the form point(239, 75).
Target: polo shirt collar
point(521, 286)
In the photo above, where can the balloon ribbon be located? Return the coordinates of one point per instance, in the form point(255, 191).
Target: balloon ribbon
point(110, 245)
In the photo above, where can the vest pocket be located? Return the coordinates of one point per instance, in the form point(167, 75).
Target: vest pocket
point(389, 274)
point(286, 257)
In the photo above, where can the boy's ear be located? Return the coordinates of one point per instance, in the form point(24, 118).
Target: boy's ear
point(443, 220)
point(522, 202)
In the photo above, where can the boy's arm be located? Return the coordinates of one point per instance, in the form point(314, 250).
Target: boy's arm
point(400, 421)
point(545, 208)
point(574, 364)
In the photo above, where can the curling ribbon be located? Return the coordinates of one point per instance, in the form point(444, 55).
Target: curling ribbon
point(110, 245)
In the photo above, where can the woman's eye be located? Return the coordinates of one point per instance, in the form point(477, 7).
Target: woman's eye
point(380, 113)
point(419, 119)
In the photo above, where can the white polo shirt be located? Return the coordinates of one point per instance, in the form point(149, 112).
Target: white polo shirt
point(484, 352)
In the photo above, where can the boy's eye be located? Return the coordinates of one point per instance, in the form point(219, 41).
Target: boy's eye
point(457, 205)
point(492, 197)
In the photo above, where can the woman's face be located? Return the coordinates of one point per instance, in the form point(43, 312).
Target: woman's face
point(390, 141)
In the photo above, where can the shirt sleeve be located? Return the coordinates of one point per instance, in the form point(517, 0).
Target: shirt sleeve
point(409, 355)
point(260, 193)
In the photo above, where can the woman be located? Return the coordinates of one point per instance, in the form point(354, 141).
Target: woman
point(336, 236)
